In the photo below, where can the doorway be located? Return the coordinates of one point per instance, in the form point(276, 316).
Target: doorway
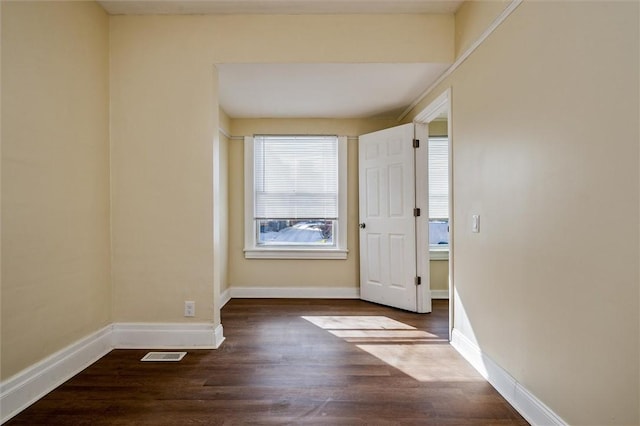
point(437, 117)
point(405, 210)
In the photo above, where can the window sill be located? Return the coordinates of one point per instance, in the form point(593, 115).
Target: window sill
point(439, 254)
point(295, 253)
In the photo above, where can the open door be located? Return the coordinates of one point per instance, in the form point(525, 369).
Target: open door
point(394, 271)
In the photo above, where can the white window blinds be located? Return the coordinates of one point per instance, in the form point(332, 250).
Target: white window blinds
point(438, 178)
point(296, 177)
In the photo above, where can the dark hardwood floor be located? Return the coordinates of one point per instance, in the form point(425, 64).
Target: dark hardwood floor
point(330, 362)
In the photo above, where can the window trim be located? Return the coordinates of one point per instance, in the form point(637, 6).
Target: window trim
point(254, 251)
point(438, 253)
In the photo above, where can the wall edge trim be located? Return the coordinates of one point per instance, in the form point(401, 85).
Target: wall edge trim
point(29, 385)
point(523, 400)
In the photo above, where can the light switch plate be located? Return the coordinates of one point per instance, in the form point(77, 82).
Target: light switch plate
point(475, 223)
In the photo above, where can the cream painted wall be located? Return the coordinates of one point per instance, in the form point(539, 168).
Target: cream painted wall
point(164, 133)
point(439, 274)
point(438, 128)
point(317, 38)
point(472, 18)
point(293, 273)
point(55, 178)
point(164, 119)
point(532, 289)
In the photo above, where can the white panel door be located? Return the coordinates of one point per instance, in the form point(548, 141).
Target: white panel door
point(387, 223)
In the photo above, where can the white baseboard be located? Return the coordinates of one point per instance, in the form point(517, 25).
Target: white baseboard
point(218, 336)
point(28, 386)
point(439, 294)
point(166, 336)
point(527, 404)
point(295, 292)
point(225, 296)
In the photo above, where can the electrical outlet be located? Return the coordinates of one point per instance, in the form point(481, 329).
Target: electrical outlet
point(189, 309)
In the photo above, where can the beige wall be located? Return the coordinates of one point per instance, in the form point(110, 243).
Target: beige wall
point(532, 288)
point(164, 128)
point(318, 38)
point(164, 120)
point(439, 274)
point(55, 178)
point(294, 273)
point(438, 128)
point(472, 18)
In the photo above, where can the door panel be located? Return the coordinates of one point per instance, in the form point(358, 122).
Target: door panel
point(387, 200)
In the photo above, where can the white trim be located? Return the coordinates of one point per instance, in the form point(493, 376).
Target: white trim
point(218, 336)
point(438, 254)
point(296, 292)
point(434, 109)
point(303, 253)
point(490, 29)
point(439, 294)
point(224, 132)
point(23, 389)
point(225, 296)
point(421, 182)
point(249, 224)
point(165, 336)
point(526, 403)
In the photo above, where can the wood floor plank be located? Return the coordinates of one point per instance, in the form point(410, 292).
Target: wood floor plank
point(290, 361)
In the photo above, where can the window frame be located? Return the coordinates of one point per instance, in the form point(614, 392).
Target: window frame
point(441, 251)
point(253, 250)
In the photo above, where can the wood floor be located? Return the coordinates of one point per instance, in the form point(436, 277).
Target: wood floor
point(328, 362)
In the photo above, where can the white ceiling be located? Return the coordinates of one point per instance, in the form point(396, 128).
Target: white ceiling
point(172, 7)
point(322, 90)
point(309, 90)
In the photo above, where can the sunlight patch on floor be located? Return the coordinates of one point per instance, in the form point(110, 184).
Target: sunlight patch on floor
point(417, 353)
point(369, 336)
point(425, 362)
point(355, 322)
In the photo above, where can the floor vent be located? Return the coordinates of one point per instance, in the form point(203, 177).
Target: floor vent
point(164, 356)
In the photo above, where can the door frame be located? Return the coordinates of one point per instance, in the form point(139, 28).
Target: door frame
point(441, 104)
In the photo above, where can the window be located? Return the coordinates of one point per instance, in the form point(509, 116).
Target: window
point(295, 197)
point(439, 197)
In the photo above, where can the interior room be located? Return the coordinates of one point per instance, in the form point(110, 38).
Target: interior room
point(129, 132)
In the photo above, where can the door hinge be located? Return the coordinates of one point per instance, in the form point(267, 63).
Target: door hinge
point(418, 280)
point(416, 143)
point(416, 212)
